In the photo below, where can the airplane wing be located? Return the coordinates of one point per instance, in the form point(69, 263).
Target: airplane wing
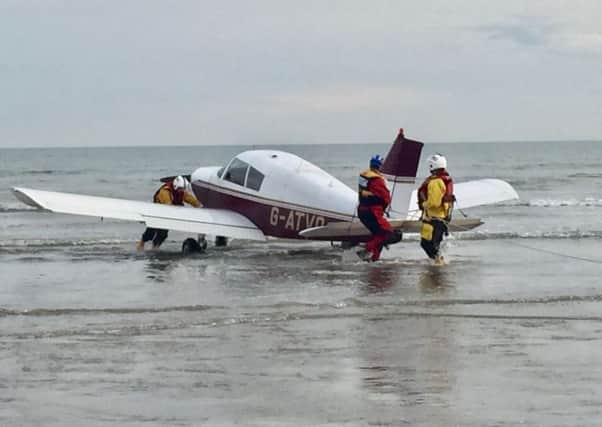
point(468, 194)
point(355, 230)
point(473, 193)
point(219, 222)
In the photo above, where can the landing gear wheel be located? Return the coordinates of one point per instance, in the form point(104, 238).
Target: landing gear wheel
point(346, 245)
point(396, 237)
point(191, 246)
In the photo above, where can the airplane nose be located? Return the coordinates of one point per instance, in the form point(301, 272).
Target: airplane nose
point(203, 174)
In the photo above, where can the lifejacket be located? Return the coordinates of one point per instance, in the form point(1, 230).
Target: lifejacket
point(177, 197)
point(365, 196)
point(448, 197)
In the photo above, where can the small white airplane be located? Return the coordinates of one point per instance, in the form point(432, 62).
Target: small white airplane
point(270, 193)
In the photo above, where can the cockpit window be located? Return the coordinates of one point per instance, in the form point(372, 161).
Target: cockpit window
point(220, 172)
point(237, 171)
point(254, 179)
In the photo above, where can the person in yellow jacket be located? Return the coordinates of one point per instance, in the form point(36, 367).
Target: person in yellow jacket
point(171, 193)
point(435, 199)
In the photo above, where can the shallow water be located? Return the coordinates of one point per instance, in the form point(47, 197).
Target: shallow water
point(285, 334)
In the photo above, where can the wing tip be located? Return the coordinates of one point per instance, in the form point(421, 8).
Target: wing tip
point(509, 191)
point(512, 193)
point(21, 194)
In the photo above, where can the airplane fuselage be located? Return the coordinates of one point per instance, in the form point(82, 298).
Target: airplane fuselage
point(279, 192)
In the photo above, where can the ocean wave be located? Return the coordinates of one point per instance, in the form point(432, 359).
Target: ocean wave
point(38, 172)
point(49, 243)
point(555, 165)
point(34, 172)
point(16, 209)
point(21, 245)
point(87, 311)
point(555, 234)
point(586, 175)
point(493, 301)
point(562, 203)
point(291, 311)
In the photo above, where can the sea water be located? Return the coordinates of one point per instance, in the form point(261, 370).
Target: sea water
point(295, 334)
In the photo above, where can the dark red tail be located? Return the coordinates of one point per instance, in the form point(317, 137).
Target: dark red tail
point(401, 164)
point(400, 168)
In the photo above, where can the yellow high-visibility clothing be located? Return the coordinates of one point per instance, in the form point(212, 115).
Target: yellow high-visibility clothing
point(434, 207)
point(164, 197)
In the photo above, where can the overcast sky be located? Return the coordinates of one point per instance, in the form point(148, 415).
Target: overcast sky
point(145, 72)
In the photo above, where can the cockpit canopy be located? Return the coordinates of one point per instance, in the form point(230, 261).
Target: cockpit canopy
point(278, 175)
point(241, 173)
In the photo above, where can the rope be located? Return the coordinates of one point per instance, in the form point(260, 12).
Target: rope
point(545, 251)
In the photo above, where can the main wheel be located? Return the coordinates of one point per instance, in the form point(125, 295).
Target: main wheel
point(396, 237)
point(191, 246)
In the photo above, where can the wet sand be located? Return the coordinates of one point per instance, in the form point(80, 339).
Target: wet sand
point(296, 335)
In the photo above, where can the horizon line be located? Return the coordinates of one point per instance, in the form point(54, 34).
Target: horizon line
point(524, 141)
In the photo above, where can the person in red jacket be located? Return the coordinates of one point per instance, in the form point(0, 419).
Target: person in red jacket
point(374, 198)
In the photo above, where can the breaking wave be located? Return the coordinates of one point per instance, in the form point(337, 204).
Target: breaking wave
point(554, 203)
point(500, 235)
point(557, 234)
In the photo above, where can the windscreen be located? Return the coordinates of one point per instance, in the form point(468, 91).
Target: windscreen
point(237, 171)
point(254, 179)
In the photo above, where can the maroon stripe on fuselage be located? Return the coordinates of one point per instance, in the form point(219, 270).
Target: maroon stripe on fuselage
point(275, 221)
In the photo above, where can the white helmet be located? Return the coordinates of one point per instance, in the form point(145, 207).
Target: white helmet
point(436, 161)
point(179, 183)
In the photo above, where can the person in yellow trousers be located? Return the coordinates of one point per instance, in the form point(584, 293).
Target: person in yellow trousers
point(435, 199)
point(171, 193)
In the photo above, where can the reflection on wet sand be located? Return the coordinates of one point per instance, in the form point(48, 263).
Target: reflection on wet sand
point(434, 279)
point(159, 266)
point(379, 278)
point(410, 360)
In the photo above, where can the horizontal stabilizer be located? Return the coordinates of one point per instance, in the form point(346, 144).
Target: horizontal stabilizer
point(473, 193)
point(219, 222)
point(346, 231)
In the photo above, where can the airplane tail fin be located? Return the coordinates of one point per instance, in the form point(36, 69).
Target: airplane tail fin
point(400, 168)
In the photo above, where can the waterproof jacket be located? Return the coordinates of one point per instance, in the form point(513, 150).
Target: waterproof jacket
point(166, 195)
point(437, 202)
point(372, 190)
